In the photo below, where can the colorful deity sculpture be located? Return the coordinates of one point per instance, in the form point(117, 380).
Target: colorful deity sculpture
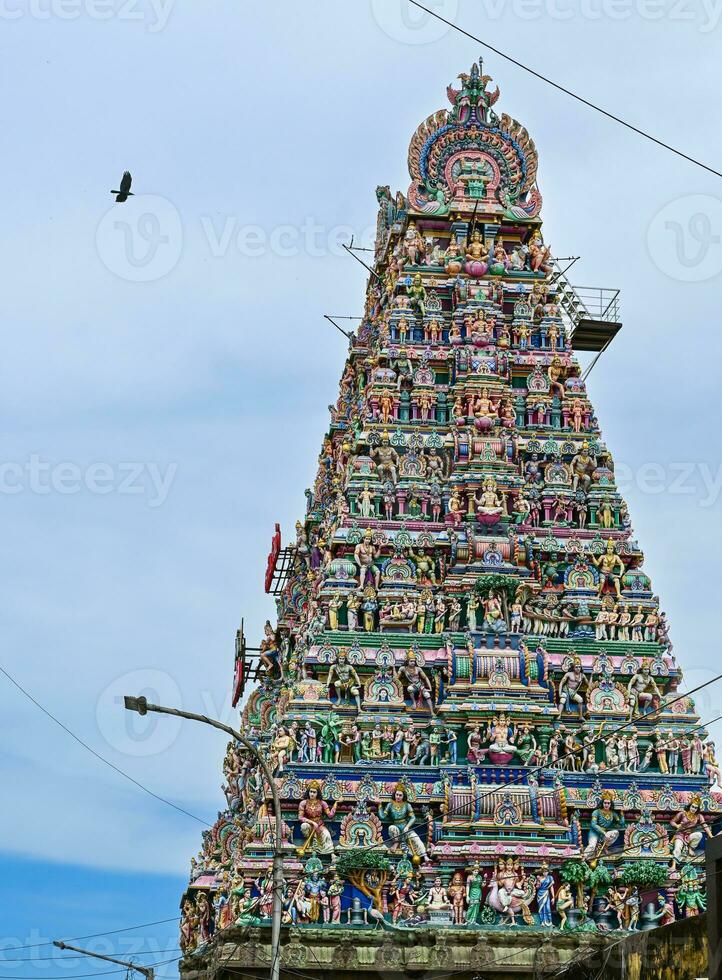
point(474, 893)
point(690, 829)
point(344, 679)
point(690, 897)
point(644, 694)
point(545, 897)
point(399, 814)
point(417, 684)
point(571, 689)
point(313, 811)
point(604, 828)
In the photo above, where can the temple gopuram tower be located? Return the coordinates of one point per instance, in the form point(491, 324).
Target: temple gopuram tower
point(468, 700)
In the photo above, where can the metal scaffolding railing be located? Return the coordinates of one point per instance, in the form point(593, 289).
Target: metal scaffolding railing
point(599, 302)
point(591, 314)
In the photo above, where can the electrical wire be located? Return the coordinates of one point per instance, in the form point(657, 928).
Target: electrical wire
point(102, 973)
point(566, 91)
point(74, 956)
point(97, 755)
point(95, 935)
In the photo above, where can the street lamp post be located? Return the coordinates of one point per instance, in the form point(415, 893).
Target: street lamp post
point(142, 706)
point(147, 971)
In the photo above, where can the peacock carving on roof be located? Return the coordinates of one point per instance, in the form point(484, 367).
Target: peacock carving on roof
point(468, 157)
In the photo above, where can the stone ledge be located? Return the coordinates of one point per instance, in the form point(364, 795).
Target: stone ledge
point(366, 951)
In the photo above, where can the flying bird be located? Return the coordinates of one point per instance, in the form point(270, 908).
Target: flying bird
point(125, 192)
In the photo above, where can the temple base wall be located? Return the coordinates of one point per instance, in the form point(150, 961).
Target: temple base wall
point(363, 954)
point(678, 951)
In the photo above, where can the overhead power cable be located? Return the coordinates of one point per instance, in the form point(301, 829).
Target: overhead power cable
point(97, 755)
point(94, 935)
point(102, 973)
point(77, 956)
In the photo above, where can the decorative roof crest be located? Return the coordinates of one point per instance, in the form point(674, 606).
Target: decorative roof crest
point(472, 101)
point(468, 158)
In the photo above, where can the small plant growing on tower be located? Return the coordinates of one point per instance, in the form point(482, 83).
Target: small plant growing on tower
point(367, 870)
point(505, 586)
point(576, 872)
point(645, 875)
point(599, 880)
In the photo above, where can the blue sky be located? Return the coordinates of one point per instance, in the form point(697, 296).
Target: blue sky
point(153, 431)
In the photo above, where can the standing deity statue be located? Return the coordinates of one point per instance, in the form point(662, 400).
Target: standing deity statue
point(315, 903)
point(456, 894)
point(545, 897)
point(364, 554)
point(417, 295)
point(335, 604)
point(472, 605)
point(474, 893)
point(366, 502)
point(564, 902)
point(353, 604)
point(456, 507)
point(334, 893)
point(643, 692)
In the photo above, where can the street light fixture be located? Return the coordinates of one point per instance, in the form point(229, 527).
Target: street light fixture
point(147, 971)
point(142, 707)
